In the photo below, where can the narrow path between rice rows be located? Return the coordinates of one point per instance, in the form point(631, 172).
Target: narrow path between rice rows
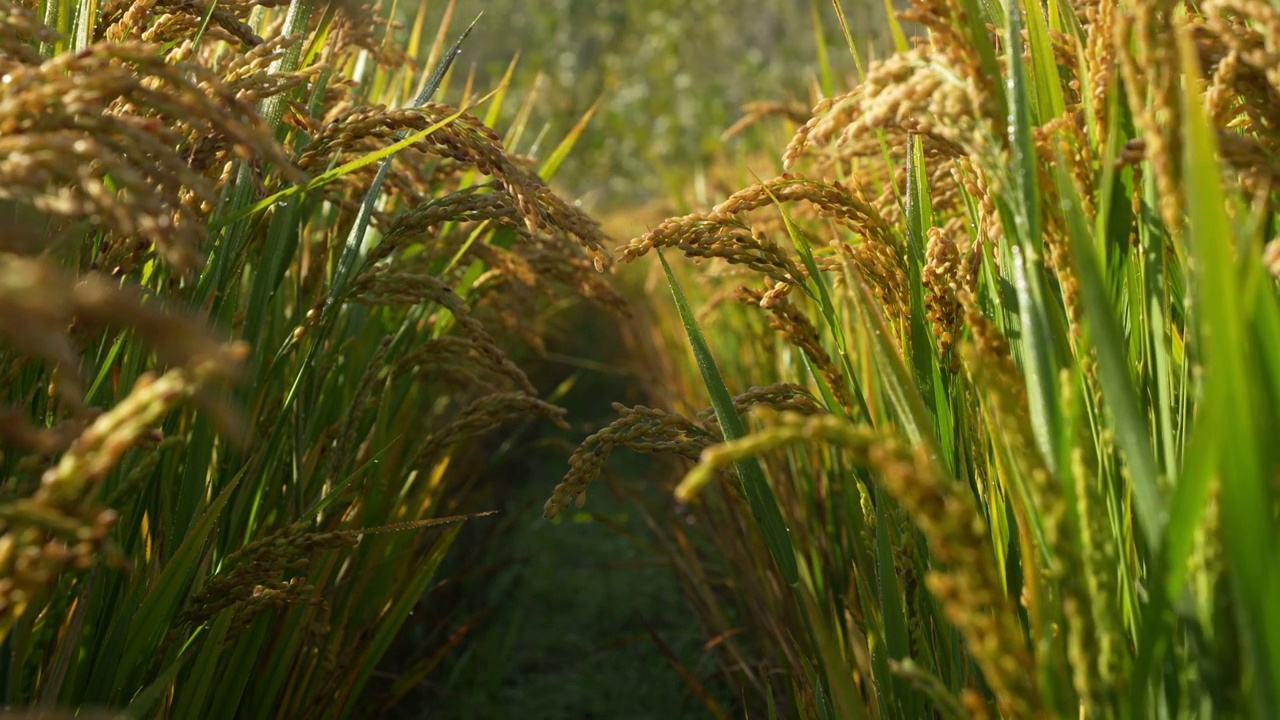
point(562, 610)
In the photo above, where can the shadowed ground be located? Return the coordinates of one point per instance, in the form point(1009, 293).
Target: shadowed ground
point(558, 615)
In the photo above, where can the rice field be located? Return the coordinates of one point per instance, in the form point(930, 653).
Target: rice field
point(950, 332)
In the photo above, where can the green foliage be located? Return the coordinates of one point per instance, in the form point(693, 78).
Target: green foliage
point(670, 76)
point(1036, 333)
point(261, 238)
point(976, 401)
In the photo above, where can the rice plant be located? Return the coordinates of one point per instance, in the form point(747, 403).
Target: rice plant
point(261, 294)
point(981, 376)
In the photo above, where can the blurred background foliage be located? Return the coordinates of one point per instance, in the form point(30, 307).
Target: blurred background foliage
point(670, 75)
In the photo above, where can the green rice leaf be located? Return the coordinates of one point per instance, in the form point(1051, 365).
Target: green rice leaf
point(897, 695)
point(1048, 87)
point(164, 597)
point(557, 157)
point(825, 75)
point(1231, 383)
point(848, 37)
point(392, 618)
point(894, 377)
point(143, 704)
point(337, 173)
point(1128, 420)
point(1037, 336)
point(199, 682)
point(764, 506)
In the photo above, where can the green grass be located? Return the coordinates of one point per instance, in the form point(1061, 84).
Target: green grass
point(572, 609)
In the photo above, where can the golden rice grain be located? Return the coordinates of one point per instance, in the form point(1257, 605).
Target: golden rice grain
point(965, 580)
